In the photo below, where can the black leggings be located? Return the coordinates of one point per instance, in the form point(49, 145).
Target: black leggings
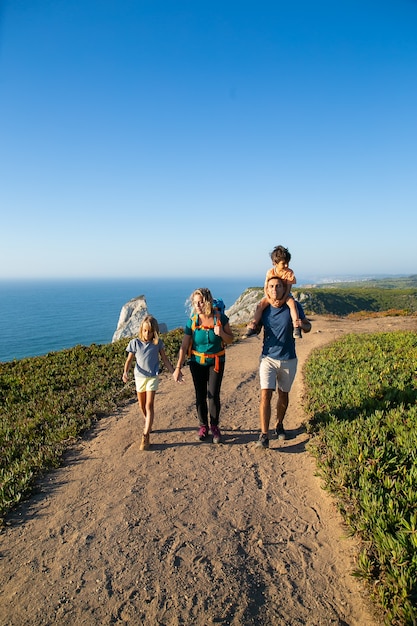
point(207, 384)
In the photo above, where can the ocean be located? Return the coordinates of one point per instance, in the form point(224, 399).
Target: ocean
point(37, 317)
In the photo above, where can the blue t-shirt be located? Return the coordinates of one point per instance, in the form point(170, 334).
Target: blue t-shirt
point(205, 340)
point(278, 340)
point(147, 356)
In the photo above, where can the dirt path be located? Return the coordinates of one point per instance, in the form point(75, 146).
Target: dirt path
point(189, 532)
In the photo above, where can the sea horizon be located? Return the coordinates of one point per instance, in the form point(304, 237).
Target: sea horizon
point(44, 315)
point(38, 316)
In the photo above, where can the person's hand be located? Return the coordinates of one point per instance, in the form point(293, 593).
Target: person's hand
point(177, 375)
point(217, 330)
point(124, 377)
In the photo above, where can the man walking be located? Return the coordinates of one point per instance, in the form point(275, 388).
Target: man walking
point(278, 364)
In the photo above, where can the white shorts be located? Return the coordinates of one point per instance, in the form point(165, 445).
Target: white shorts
point(273, 371)
point(142, 383)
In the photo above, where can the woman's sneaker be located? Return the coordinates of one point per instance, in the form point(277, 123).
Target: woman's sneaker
point(263, 441)
point(215, 434)
point(202, 432)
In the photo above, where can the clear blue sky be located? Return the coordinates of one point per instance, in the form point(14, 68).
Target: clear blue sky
point(189, 137)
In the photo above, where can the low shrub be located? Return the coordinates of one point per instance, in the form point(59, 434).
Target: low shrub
point(362, 399)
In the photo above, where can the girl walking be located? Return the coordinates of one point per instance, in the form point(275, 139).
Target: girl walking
point(146, 349)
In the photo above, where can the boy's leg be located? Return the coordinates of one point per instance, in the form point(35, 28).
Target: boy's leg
point(295, 318)
point(252, 327)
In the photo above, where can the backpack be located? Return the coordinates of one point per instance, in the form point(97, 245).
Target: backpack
point(218, 309)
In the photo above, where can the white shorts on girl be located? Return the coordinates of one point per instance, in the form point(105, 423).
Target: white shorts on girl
point(142, 383)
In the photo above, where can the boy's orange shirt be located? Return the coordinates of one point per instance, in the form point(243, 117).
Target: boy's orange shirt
point(287, 276)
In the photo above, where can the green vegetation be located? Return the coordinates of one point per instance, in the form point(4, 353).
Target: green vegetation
point(361, 395)
point(393, 296)
point(46, 402)
point(347, 300)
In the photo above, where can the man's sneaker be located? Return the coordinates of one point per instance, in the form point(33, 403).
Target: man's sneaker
point(216, 434)
point(297, 333)
point(263, 441)
point(280, 432)
point(202, 432)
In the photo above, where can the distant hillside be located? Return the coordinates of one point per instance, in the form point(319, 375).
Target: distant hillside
point(396, 282)
point(398, 296)
point(386, 294)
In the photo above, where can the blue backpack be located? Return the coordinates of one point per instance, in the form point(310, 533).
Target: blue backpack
point(218, 307)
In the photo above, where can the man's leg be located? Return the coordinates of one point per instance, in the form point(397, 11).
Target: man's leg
point(265, 410)
point(282, 405)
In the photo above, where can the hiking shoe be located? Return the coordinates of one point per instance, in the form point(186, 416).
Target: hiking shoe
point(296, 333)
point(216, 434)
point(249, 332)
point(202, 432)
point(145, 443)
point(280, 432)
point(263, 441)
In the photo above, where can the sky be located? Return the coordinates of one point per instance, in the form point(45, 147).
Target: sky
point(152, 138)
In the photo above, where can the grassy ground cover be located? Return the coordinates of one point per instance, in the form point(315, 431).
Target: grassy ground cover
point(361, 395)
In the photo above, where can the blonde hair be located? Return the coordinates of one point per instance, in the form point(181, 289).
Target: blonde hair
point(149, 320)
point(205, 294)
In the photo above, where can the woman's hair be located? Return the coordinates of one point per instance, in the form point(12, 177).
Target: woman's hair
point(207, 298)
point(149, 320)
point(279, 253)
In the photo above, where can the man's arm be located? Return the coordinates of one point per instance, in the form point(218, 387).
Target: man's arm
point(305, 324)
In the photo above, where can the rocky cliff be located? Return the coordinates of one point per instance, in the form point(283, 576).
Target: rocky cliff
point(131, 317)
point(134, 311)
point(243, 309)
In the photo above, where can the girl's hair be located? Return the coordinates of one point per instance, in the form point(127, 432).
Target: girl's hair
point(204, 293)
point(279, 253)
point(149, 320)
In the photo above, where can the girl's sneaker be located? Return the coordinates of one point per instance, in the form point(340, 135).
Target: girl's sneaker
point(145, 443)
point(215, 431)
point(202, 432)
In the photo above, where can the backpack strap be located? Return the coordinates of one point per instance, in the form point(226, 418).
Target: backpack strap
point(216, 356)
point(203, 356)
point(216, 321)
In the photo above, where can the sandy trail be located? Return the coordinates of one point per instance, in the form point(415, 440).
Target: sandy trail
point(189, 532)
